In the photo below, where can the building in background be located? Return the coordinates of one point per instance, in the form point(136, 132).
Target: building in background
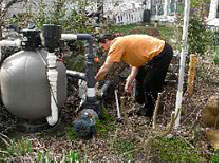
point(213, 17)
point(118, 11)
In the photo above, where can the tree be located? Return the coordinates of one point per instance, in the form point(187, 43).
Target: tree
point(4, 6)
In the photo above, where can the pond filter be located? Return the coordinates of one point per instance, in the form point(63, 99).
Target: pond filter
point(25, 89)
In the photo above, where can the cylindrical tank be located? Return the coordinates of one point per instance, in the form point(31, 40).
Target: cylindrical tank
point(25, 89)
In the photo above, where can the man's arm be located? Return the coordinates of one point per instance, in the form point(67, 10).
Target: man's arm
point(134, 72)
point(131, 77)
point(103, 71)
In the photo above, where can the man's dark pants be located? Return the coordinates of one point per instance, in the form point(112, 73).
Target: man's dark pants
point(150, 79)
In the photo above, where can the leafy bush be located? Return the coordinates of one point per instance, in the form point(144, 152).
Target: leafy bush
point(199, 38)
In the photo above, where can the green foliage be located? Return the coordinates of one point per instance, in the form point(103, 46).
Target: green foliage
point(176, 149)
point(21, 20)
point(214, 158)
point(105, 124)
point(73, 156)
point(199, 38)
point(40, 18)
point(200, 8)
point(69, 19)
point(76, 63)
point(70, 133)
point(19, 147)
point(123, 145)
point(39, 157)
point(216, 55)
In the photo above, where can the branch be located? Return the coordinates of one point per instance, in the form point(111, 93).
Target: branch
point(169, 129)
point(155, 111)
point(9, 4)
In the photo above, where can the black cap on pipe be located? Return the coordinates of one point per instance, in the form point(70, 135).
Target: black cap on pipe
point(52, 35)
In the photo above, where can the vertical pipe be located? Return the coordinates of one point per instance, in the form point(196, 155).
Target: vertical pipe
point(176, 8)
point(117, 105)
point(90, 73)
point(52, 75)
point(179, 94)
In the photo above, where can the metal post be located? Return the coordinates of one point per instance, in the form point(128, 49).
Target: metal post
point(179, 94)
point(166, 7)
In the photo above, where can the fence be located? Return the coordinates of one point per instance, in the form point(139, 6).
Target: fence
point(129, 16)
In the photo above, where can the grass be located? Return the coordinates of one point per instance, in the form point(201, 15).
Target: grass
point(121, 29)
point(176, 149)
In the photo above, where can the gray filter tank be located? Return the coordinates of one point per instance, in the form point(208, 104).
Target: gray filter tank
point(25, 89)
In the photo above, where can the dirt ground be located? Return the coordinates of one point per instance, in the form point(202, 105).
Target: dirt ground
point(104, 145)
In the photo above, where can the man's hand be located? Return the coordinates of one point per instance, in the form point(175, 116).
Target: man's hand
point(129, 85)
point(129, 80)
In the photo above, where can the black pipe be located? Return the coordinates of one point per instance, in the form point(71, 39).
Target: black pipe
point(90, 74)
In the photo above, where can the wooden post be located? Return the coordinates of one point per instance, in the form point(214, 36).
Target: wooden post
point(123, 111)
point(122, 105)
point(191, 74)
point(155, 111)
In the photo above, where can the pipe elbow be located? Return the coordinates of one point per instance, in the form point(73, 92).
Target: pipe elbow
point(85, 37)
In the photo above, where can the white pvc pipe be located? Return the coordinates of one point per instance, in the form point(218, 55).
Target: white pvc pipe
point(69, 37)
point(91, 92)
point(52, 75)
point(117, 105)
point(179, 95)
point(10, 43)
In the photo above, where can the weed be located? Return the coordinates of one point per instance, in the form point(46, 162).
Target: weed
point(47, 157)
point(39, 157)
point(73, 156)
point(19, 147)
point(105, 124)
point(123, 145)
point(63, 157)
point(214, 158)
point(70, 133)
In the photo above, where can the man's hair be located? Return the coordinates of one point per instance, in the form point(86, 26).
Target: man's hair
point(104, 37)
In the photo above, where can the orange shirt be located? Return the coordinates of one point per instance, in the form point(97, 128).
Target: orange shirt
point(135, 50)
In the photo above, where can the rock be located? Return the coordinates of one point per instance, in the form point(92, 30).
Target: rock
point(210, 116)
point(213, 137)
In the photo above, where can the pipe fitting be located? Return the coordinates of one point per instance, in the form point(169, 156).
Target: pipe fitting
point(16, 42)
